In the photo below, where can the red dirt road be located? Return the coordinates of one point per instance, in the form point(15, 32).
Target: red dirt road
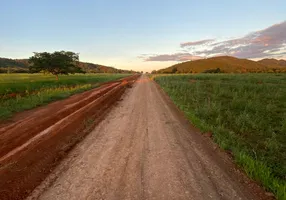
point(145, 149)
point(34, 142)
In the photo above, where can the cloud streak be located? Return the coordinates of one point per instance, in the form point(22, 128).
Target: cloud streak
point(196, 43)
point(269, 42)
point(170, 57)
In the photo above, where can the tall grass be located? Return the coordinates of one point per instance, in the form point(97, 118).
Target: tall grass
point(246, 114)
point(34, 90)
point(18, 104)
point(17, 83)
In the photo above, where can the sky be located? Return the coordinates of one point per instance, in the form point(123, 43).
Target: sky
point(144, 35)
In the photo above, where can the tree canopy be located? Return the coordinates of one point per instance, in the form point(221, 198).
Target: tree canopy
point(59, 62)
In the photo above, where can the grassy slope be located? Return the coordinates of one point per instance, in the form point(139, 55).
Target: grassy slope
point(245, 113)
point(273, 62)
point(41, 89)
point(226, 63)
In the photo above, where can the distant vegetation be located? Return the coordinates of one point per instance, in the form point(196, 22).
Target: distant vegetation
point(273, 63)
point(22, 66)
point(245, 114)
point(227, 64)
point(13, 65)
point(20, 92)
point(59, 62)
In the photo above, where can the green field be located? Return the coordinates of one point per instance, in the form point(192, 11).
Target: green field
point(246, 115)
point(20, 92)
point(15, 83)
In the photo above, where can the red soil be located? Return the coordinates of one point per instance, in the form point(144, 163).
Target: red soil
point(33, 143)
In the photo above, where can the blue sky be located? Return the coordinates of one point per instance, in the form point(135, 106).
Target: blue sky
point(139, 35)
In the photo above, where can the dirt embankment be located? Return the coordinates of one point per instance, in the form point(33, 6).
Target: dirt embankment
point(33, 142)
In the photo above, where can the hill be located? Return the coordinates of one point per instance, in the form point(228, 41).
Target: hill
point(13, 65)
point(273, 63)
point(96, 68)
point(223, 64)
point(22, 66)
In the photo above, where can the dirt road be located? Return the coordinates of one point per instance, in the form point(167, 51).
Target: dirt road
point(33, 142)
point(145, 149)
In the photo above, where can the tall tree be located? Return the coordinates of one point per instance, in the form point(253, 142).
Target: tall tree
point(59, 62)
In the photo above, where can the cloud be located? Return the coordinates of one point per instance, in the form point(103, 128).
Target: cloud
point(195, 43)
point(170, 57)
point(269, 42)
point(265, 43)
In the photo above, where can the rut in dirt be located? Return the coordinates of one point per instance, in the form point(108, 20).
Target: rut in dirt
point(31, 147)
point(145, 149)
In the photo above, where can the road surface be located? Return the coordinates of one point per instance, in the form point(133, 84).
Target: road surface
point(144, 149)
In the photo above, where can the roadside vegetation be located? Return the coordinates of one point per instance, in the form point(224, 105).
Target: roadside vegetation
point(246, 115)
point(19, 92)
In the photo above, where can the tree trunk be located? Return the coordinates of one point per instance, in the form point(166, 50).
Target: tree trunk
point(57, 77)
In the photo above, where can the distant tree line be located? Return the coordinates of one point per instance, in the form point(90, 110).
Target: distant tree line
point(60, 62)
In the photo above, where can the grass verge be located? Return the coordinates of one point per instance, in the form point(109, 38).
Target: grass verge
point(19, 83)
point(245, 113)
point(19, 92)
point(18, 104)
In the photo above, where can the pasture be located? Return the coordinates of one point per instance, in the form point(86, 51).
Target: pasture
point(19, 92)
point(245, 114)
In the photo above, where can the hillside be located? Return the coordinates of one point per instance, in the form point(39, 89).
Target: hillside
point(273, 63)
point(225, 64)
point(13, 65)
point(22, 66)
point(96, 68)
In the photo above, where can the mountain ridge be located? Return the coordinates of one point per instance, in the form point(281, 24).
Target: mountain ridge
point(273, 62)
point(226, 64)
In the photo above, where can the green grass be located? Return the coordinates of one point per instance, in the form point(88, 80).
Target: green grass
point(17, 83)
point(35, 90)
point(246, 114)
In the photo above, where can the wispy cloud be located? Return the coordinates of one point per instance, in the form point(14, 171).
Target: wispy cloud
point(269, 42)
point(171, 57)
point(196, 43)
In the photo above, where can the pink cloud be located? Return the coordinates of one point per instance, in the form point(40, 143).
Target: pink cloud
point(269, 42)
point(171, 57)
point(195, 43)
point(262, 43)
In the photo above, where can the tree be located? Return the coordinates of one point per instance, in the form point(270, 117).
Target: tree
point(217, 70)
point(174, 70)
point(59, 62)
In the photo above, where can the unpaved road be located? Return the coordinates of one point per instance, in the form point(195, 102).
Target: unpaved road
point(33, 142)
point(145, 149)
